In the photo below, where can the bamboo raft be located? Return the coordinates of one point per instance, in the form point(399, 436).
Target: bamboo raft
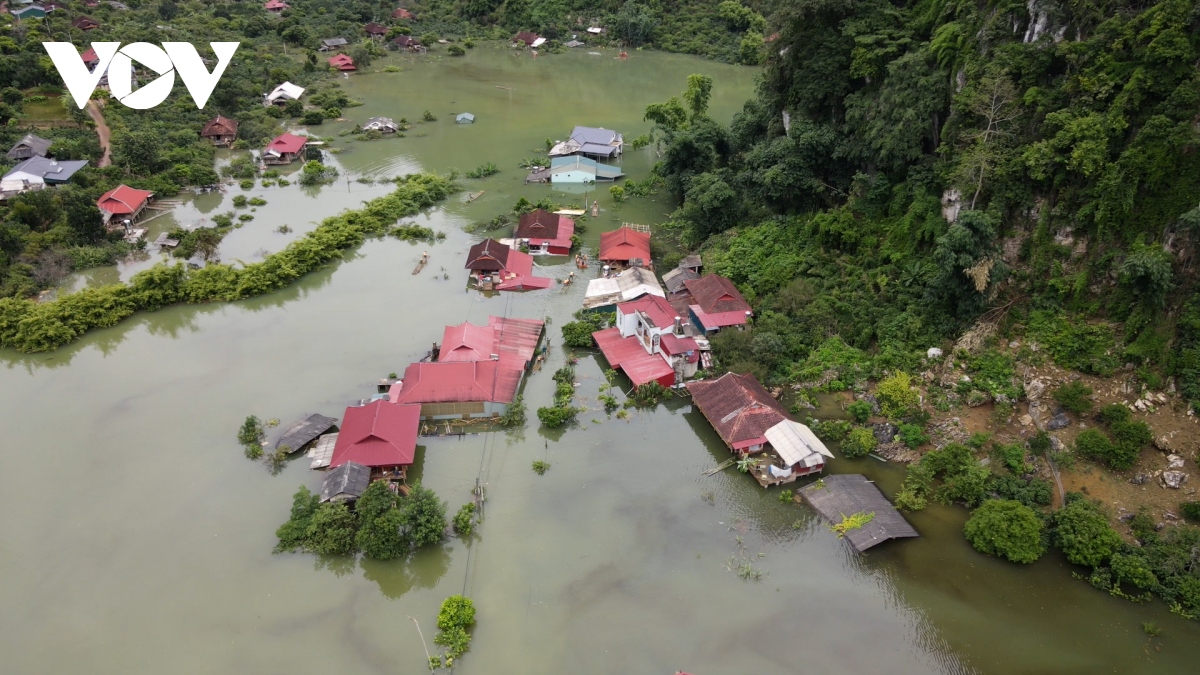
point(721, 467)
point(421, 265)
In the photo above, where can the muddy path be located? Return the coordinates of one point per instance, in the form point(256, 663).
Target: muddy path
point(102, 132)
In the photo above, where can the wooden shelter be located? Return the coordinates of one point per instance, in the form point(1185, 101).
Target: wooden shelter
point(29, 146)
point(375, 30)
point(345, 483)
point(836, 497)
point(220, 130)
point(305, 431)
point(85, 23)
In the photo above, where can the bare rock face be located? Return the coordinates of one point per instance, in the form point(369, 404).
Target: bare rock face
point(1139, 479)
point(1035, 389)
point(885, 432)
point(1173, 479)
point(1025, 420)
point(933, 353)
point(1164, 443)
point(1174, 462)
point(1059, 421)
point(1056, 444)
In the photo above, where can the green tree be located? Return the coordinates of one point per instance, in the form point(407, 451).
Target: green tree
point(860, 411)
point(897, 125)
point(331, 530)
point(1006, 529)
point(967, 264)
point(424, 516)
point(859, 442)
point(293, 534)
point(897, 397)
point(634, 23)
point(1082, 532)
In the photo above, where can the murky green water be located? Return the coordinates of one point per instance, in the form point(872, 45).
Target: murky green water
point(137, 538)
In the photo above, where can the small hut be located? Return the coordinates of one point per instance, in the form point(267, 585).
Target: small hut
point(385, 125)
point(464, 118)
point(304, 432)
point(346, 483)
point(220, 130)
point(342, 62)
point(375, 30)
point(29, 146)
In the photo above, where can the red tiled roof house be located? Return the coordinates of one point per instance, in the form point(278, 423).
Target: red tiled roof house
point(545, 232)
point(380, 435)
point(718, 303)
point(648, 343)
point(458, 389)
point(375, 30)
point(404, 14)
point(85, 23)
point(511, 342)
point(123, 203)
point(496, 266)
point(220, 130)
point(285, 149)
point(342, 62)
point(276, 6)
point(625, 245)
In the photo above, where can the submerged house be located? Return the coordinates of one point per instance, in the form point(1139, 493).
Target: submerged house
point(545, 232)
point(496, 266)
point(625, 247)
point(123, 203)
point(380, 435)
point(527, 38)
point(345, 483)
point(676, 280)
point(464, 118)
point(342, 62)
point(29, 146)
point(36, 173)
point(220, 130)
point(648, 343)
point(512, 343)
point(285, 149)
point(742, 412)
point(385, 125)
point(719, 304)
point(593, 142)
point(408, 43)
point(284, 93)
point(458, 389)
point(603, 293)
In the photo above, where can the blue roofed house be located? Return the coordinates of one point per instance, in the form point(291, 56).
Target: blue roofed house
point(577, 169)
point(592, 142)
point(36, 173)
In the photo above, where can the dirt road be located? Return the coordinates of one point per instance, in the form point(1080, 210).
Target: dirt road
point(101, 131)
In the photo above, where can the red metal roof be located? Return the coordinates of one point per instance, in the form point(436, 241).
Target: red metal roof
point(467, 342)
point(719, 320)
point(342, 62)
point(518, 274)
point(717, 295)
point(738, 407)
point(287, 143)
point(630, 356)
point(276, 4)
point(660, 312)
point(624, 244)
point(675, 345)
point(457, 382)
point(123, 200)
point(513, 341)
point(378, 434)
point(402, 14)
point(542, 227)
point(89, 56)
point(489, 255)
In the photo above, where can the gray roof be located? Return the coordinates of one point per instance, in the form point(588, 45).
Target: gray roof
point(584, 135)
point(692, 260)
point(464, 117)
point(303, 432)
point(334, 42)
point(380, 123)
point(39, 145)
point(676, 278)
point(49, 169)
point(598, 149)
point(349, 480)
point(837, 496)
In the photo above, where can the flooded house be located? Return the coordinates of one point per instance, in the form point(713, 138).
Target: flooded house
point(30, 146)
point(748, 419)
point(222, 131)
point(718, 303)
point(284, 149)
point(604, 293)
point(498, 267)
point(528, 38)
point(594, 142)
point(342, 63)
point(346, 483)
point(648, 343)
point(625, 247)
point(381, 436)
point(574, 170)
point(121, 206)
point(513, 343)
point(448, 390)
point(545, 233)
point(407, 43)
point(332, 44)
point(384, 125)
point(284, 93)
point(375, 30)
point(464, 118)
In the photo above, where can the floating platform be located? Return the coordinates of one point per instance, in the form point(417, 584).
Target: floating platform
point(835, 497)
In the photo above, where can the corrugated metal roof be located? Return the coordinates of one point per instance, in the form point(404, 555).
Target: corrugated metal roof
point(304, 431)
point(837, 496)
point(738, 407)
point(714, 321)
point(348, 480)
point(40, 146)
point(657, 309)
point(624, 244)
point(286, 143)
point(457, 382)
point(514, 341)
point(793, 444)
point(123, 200)
point(630, 356)
point(584, 135)
point(717, 295)
point(378, 434)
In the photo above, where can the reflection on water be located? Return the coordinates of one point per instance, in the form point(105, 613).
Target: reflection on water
point(137, 537)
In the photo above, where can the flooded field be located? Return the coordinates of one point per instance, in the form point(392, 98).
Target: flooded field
point(137, 538)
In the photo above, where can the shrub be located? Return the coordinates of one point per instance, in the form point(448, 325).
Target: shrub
point(540, 467)
point(428, 116)
point(859, 442)
point(578, 333)
point(239, 201)
point(514, 414)
point(331, 531)
point(913, 435)
point(294, 532)
point(832, 431)
point(1040, 443)
point(1006, 529)
point(896, 395)
point(1114, 413)
point(860, 411)
point(464, 520)
point(251, 431)
point(1074, 396)
point(1012, 455)
point(1082, 532)
point(455, 50)
point(483, 170)
point(554, 417)
point(313, 117)
point(1190, 511)
point(1033, 492)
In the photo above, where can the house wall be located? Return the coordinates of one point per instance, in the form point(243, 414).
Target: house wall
point(459, 410)
point(572, 177)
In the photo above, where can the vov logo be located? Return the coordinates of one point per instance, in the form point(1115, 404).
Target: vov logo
point(118, 61)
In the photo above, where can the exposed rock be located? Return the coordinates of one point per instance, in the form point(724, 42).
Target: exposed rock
point(986, 461)
point(1126, 517)
point(1164, 443)
point(1174, 479)
point(1140, 405)
point(1056, 444)
point(1035, 389)
point(1025, 420)
point(1002, 398)
point(885, 432)
point(1057, 422)
point(1174, 462)
point(1171, 386)
point(951, 204)
point(1139, 479)
point(873, 401)
point(1063, 237)
point(933, 353)
point(897, 452)
point(1170, 516)
point(977, 398)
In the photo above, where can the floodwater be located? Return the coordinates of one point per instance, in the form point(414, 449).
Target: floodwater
point(137, 538)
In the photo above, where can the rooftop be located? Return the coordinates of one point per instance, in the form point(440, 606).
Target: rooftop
point(348, 480)
point(305, 431)
point(738, 407)
point(628, 354)
point(835, 497)
point(717, 295)
point(624, 244)
point(380, 433)
point(457, 382)
point(40, 146)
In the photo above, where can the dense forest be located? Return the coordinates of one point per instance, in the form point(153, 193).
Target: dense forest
point(908, 168)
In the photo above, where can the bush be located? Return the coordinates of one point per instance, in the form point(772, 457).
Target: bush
point(860, 411)
point(913, 435)
point(1040, 443)
point(456, 616)
point(514, 414)
point(830, 431)
point(331, 531)
point(1006, 529)
point(313, 117)
point(1082, 532)
point(428, 116)
point(540, 467)
point(293, 534)
point(859, 442)
point(1074, 396)
point(1094, 443)
point(554, 417)
point(456, 50)
point(251, 431)
point(239, 201)
point(464, 519)
point(1190, 511)
point(578, 333)
point(896, 395)
point(1033, 492)
point(1012, 455)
